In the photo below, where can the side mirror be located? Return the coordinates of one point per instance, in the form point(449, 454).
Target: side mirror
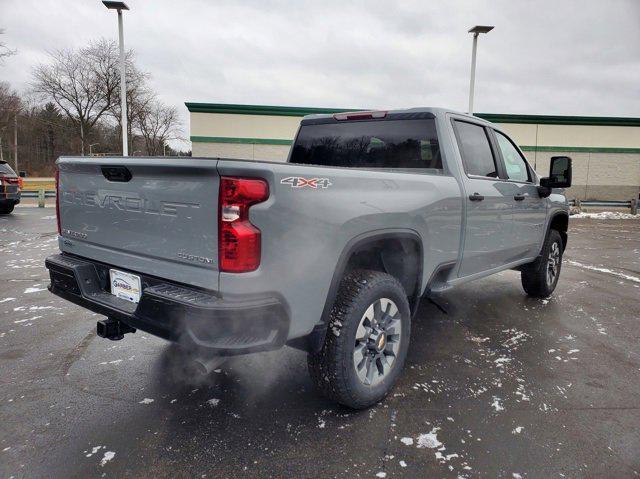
point(559, 173)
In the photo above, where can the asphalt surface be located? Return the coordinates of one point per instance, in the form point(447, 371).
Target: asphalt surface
point(496, 384)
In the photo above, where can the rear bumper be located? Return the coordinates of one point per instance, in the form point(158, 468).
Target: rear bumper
point(9, 194)
point(193, 317)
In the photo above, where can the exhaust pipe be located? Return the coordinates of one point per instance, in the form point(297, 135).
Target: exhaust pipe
point(204, 367)
point(113, 329)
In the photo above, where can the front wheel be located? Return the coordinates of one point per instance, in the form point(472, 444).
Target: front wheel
point(367, 340)
point(540, 278)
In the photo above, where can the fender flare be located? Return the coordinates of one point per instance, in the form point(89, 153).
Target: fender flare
point(313, 341)
point(552, 217)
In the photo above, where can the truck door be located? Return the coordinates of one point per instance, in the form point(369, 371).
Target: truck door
point(489, 206)
point(529, 210)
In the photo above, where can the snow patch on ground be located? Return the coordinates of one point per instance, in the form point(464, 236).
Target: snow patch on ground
point(146, 401)
point(34, 290)
point(107, 457)
point(429, 439)
point(445, 457)
point(5, 300)
point(478, 340)
point(115, 361)
point(94, 450)
point(500, 361)
point(18, 321)
point(407, 441)
point(515, 339)
point(635, 279)
point(497, 404)
point(607, 215)
point(213, 402)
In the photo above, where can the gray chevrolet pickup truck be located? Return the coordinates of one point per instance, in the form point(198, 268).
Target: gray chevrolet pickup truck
point(329, 252)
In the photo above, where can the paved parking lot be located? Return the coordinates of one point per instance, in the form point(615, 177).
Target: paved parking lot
point(496, 384)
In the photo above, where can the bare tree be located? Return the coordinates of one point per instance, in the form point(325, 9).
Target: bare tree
point(4, 50)
point(82, 83)
point(10, 105)
point(158, 124)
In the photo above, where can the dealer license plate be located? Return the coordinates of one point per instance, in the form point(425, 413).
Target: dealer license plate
point(125, 285)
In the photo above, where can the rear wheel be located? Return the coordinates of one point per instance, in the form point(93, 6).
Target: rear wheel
point(367, 340)
point(6, 209)
point(539, 279)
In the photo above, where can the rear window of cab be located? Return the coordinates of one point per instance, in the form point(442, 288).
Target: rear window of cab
point(401, 144)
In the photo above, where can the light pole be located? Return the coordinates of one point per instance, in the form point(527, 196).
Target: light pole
point(15, 141)
point(90, 148)
point(478, 29)
point(119, 6)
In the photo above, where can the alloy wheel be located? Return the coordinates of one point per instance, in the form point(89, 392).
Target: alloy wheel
point(553, 264)
point(377, 341)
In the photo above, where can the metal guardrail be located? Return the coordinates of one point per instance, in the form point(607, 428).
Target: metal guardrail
point(36, 194)
point(603, 204)
point(632, 204)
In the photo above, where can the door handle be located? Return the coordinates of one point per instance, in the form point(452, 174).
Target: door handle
point(518, 197)
point(476, 197)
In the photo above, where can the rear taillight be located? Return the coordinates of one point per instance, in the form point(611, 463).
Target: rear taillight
point(58, 200)
point(20, 183)
point(239, 240)
point(11, 180)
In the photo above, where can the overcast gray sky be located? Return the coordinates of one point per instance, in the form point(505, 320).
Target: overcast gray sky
point(544, 57)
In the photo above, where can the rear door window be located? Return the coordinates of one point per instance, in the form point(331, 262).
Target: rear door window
point(475, 149)
point(513, 161)
point(401, 144)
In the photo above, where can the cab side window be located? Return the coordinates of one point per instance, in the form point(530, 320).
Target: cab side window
point(513, 162)
point(475, 149)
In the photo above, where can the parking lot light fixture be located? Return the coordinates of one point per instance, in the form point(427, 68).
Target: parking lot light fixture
point(120, 6)
point(477, 30)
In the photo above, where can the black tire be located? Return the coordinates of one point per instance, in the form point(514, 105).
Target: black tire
point(6, 209)
point(537, 280)
point(333, 369)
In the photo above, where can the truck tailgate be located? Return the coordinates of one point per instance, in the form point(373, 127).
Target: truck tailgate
point(157, 216)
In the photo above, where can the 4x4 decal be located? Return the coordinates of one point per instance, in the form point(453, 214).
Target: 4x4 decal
point(299, 182)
